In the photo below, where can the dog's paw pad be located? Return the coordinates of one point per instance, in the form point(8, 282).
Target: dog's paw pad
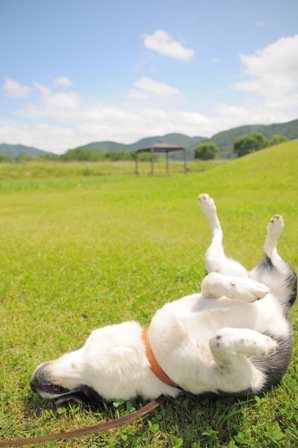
point(206, 203)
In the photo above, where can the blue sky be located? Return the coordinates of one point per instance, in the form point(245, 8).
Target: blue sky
point(78, 71)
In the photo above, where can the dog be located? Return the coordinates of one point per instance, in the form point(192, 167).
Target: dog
point(232, 338)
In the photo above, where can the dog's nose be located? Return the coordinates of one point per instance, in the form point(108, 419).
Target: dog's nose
point(38, 376)
point(33, 384)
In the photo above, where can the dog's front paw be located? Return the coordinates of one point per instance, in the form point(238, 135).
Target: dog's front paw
point(245, 341)
point(207, 204)
point(265, 347)
point(271, 347)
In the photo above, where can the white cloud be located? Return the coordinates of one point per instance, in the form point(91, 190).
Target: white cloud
point(62, 81)
point(98, 122)
point(60, 106)
point(41, 136)
point(161, 42)
point(148, 88)
point(273, 74)
point(14, 89)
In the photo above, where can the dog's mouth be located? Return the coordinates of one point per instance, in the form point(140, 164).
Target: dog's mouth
point(48, 390)
point(53, 389)
point(43, 382)
point(83, 395)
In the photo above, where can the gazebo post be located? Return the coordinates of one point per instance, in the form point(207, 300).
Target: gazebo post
point(185, 167)
point(167, 159)
point(152, 161)
point(137, 167)
point(160, 147)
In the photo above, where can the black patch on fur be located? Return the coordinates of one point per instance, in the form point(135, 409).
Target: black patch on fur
point(292, 286)
point(276, 365)
point(290, 279)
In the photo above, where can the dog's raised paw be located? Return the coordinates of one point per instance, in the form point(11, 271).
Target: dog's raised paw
point(275, 226)
point(206, 203)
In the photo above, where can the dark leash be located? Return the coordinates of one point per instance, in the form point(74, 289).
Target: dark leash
point(91, 429)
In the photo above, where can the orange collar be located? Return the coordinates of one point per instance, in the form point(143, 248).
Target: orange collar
point(154, 366)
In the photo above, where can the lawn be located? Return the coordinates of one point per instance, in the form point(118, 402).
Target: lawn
point(84, 250)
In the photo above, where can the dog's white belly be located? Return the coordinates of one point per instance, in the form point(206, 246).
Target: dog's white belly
point(180, 333)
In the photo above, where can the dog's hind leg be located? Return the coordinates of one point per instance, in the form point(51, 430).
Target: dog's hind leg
point(216, 260)
point(274, 229)
point(273, 270)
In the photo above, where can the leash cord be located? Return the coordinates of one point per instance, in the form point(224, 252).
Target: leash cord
point(91, 429)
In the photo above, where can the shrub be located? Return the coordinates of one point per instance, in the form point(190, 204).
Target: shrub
point(249, 143)
point(206, 151)
point(277, 139)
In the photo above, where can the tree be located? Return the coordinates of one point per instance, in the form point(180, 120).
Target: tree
point(277, 139)
point(249, 143)
point(23, 158)
point(4, 159)
point(81, 155)
point(206, 151)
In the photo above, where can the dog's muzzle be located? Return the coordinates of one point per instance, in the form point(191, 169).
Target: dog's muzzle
point(42, 383)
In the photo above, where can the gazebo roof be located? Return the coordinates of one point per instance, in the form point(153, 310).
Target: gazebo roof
point(161, 147)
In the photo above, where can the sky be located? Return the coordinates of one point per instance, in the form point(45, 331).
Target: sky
point(74, 72)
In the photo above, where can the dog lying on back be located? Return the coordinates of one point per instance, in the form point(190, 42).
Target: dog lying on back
point(234, 337)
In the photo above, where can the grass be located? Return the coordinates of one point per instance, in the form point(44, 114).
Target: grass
point(80, 251)
point(48, 169)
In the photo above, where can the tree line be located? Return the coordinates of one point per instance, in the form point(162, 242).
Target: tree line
point(83, 155)
point(243, 145)
point(86, 155)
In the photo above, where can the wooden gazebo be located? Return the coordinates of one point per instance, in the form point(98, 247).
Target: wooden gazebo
point(161, 147)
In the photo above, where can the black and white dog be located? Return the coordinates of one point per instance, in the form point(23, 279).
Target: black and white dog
point(234, 337)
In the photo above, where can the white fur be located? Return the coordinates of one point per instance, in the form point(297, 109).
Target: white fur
point(204, 342)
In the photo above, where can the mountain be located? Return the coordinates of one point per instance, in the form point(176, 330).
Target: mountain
point(172, 139)
point(12, 151)
point(224, 140)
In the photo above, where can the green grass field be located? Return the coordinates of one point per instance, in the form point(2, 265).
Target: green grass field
point(79, 251)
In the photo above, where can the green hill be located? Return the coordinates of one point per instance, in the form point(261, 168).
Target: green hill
point(13, 151)
point(224, 140)
point(273, 168)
